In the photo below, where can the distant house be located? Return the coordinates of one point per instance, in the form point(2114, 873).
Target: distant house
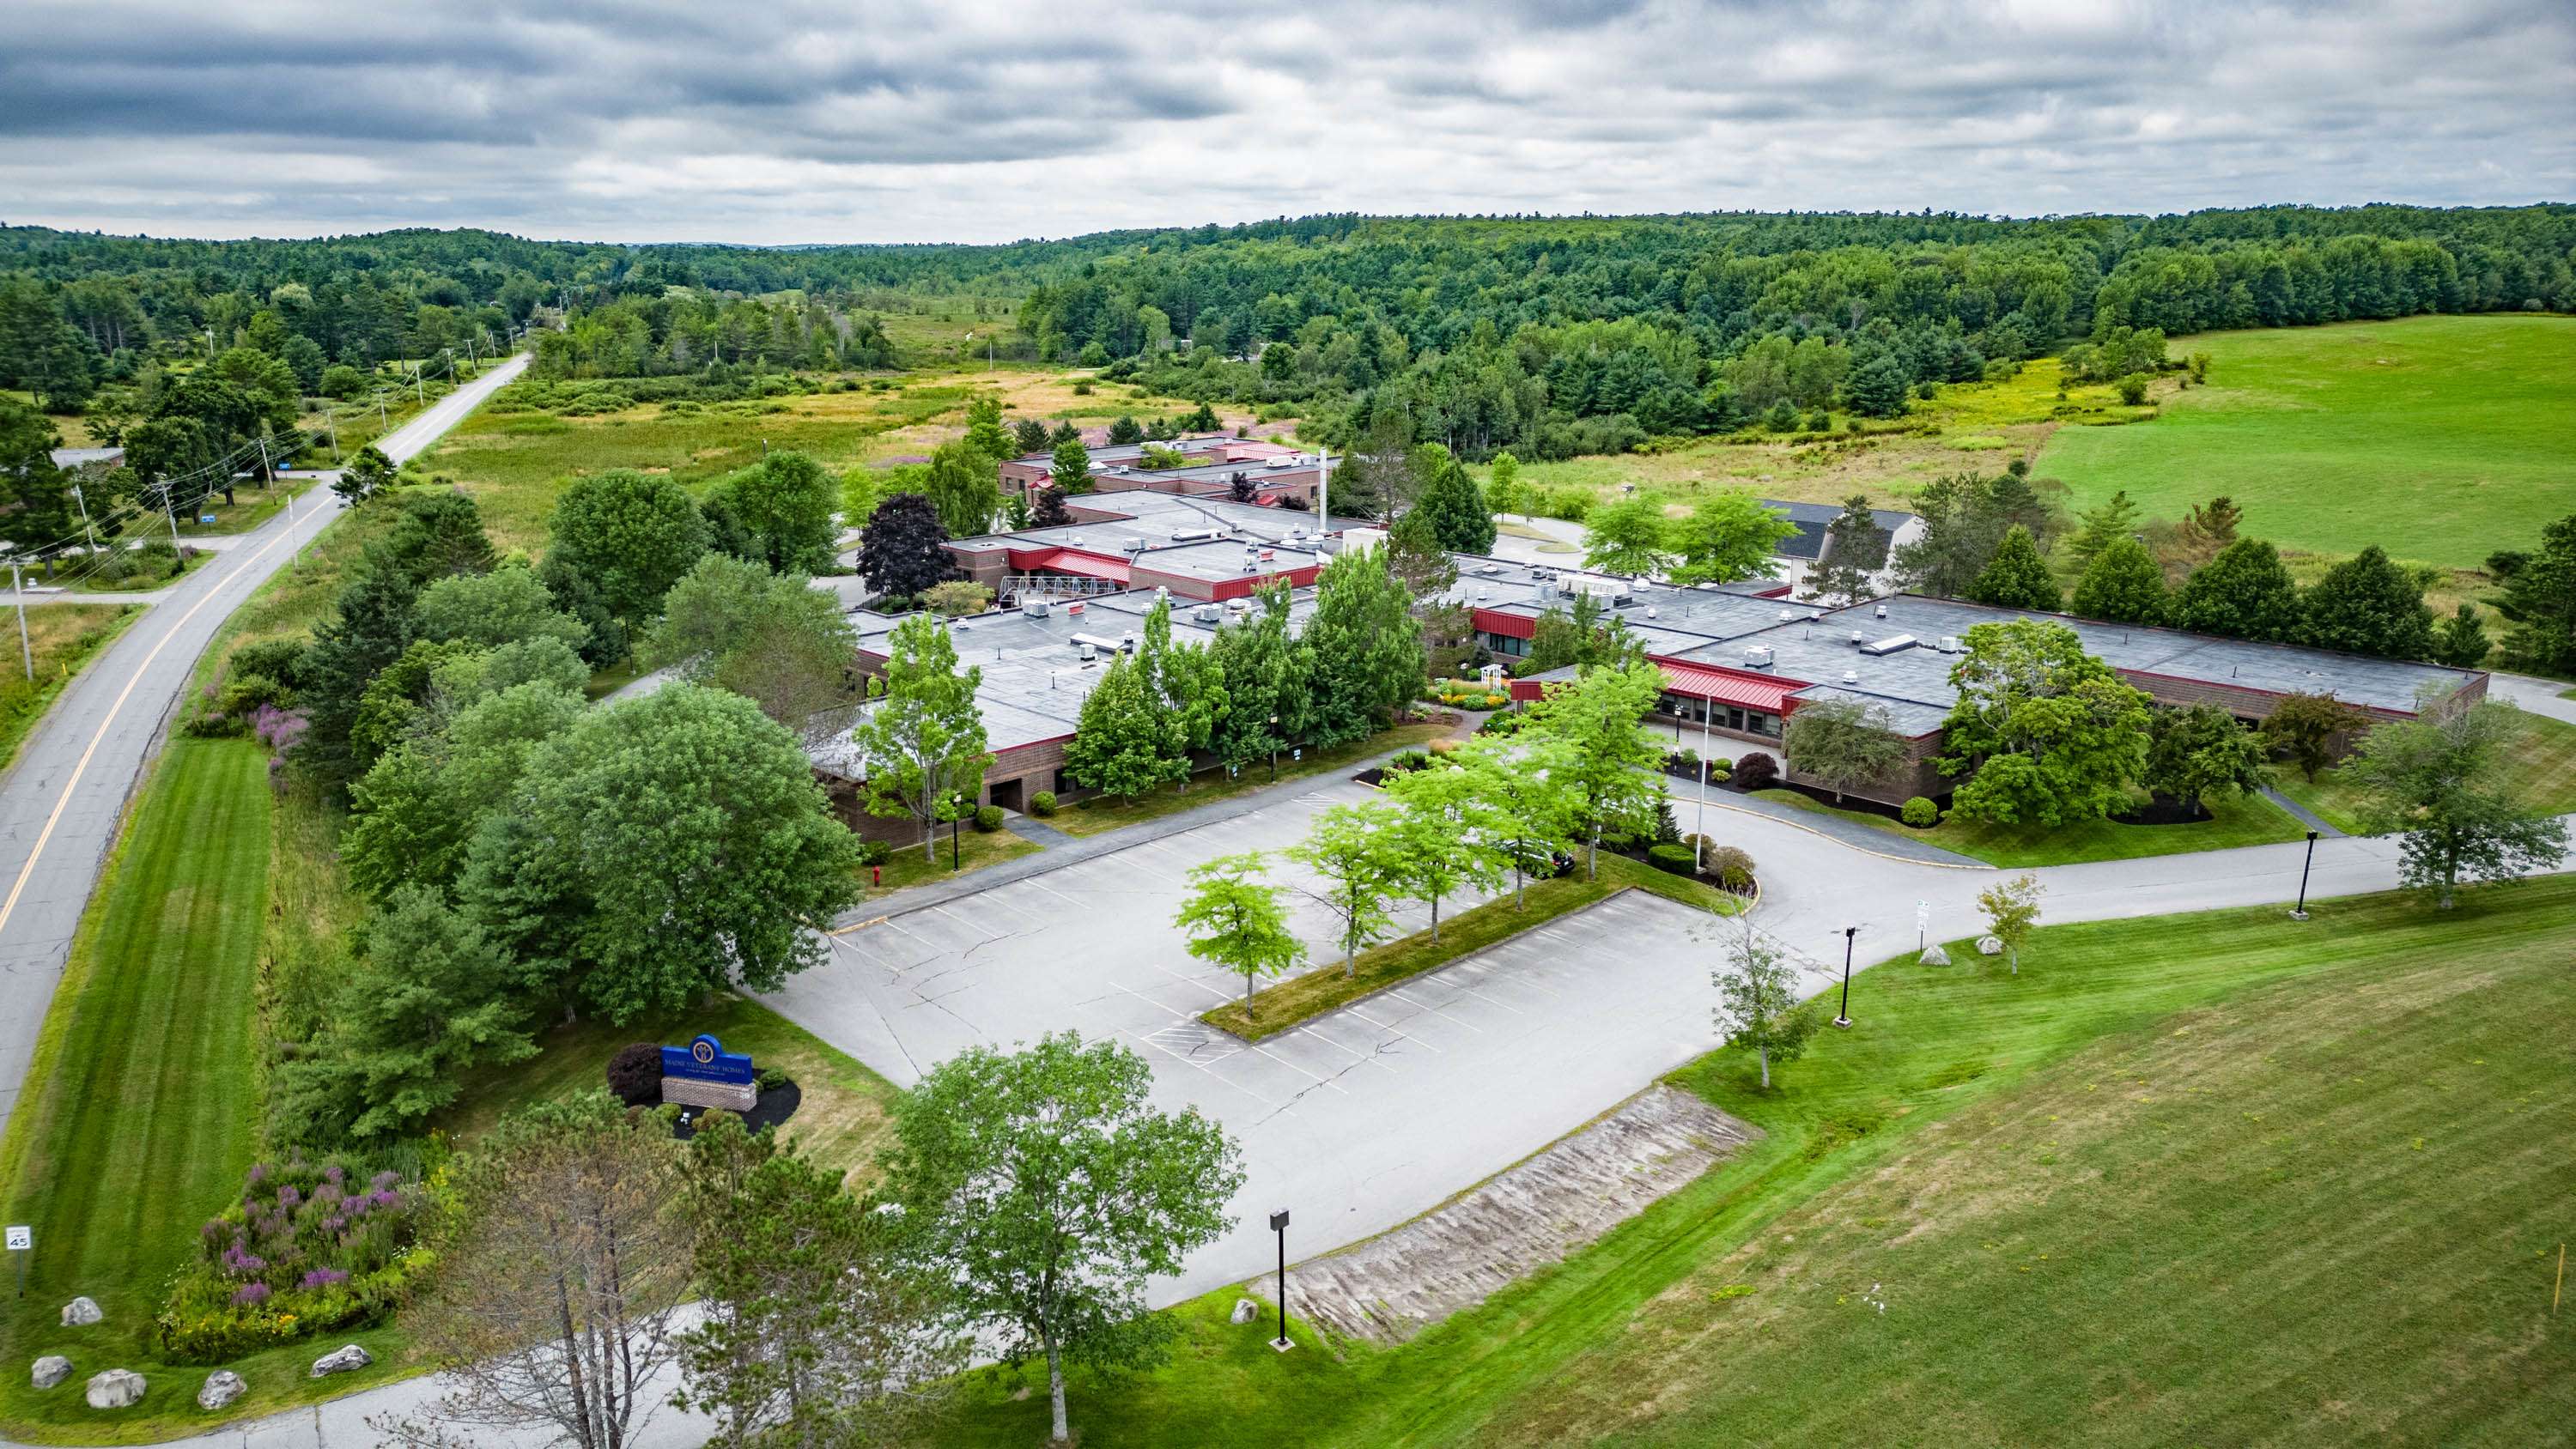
point(1804, 550)
point(89, 462)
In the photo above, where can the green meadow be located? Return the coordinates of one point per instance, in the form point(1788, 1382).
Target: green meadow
point(2441, 439)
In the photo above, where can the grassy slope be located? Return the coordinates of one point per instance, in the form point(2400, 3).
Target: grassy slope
point(2249, 820)
point(1978, 426)
point(2321, 1214)
point(2540, 770)
point(63, 638)
point(143, 1106)
point(840, 1121)
point(2438, 438)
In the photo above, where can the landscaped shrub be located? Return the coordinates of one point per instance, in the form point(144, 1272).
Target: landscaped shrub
point(1674, 858)
point(875, 852)
point(1920, 813)
point(1409, 760)
point(1042, 803)
point(1501, 724)
point(279, 659)
point(635, 1074)
point(988, 818)
point(309, 1248)
point(1729, 866)
point(771, 1079)
point(1757, 771)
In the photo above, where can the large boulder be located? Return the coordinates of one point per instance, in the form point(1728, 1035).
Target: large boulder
point(1990, 945)
point(50, 1370)
point(340, 1361)
point(1245, 1311)
point(221, 1388)
point(80, 1312)
point(116, 1389)
point(1933, 955)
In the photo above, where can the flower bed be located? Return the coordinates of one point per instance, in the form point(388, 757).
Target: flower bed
point(310, 1248)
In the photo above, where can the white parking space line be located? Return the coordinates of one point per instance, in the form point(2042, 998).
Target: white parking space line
point(1337, 1046)
point(1302, 1071)
point(1435, 1011)
point(1202, 1066)
point(1221, 997)
point(1382, 1026)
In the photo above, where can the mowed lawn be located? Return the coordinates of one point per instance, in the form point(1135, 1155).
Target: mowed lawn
point(141, 1112)
point(2242, 820)
point(2218, 1179)
point(2539, 771)
point(2441, 439)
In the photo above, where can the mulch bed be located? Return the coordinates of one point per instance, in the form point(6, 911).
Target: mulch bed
point(776, 1105)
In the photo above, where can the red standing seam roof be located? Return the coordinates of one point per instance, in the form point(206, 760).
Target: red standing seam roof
point(1764, 692)
point(1072, 561)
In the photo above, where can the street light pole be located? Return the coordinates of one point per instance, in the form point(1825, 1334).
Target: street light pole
point(1274, 749)
point(1699, 846)
point(1279, 1225)
point(1843, 1018)
point(956, 811)
point(2301, 912)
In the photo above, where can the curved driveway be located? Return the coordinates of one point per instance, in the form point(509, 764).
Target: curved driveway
point(60, 804)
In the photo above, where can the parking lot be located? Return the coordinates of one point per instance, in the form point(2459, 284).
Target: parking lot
point(1354, 1121)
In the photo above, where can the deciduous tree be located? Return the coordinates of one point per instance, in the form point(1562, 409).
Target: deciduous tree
point(2012, 913)
point(2043, 731)
point(1359, 851)
point(1609, 760)
point(1125, 743)
point(2201, 751)
point(2122, 585)
point(1626, 537)
point(2439, 780)
point(2367, 605)
point(631, 536)
point(899, 550)
point(922, 741)
point(1842, 743)
point(1234, 919)
point(1729, 536)
point(1757, 1001)
point(1454, 838)
point(1072, 467)
point(1046, 1188)
point(778, 512)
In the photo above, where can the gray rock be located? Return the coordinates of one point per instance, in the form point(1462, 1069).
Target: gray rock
point(1245, 1311)
point(1990, 945)
point(222, 1387)
point(1933, 955)
point(340, 1361)
point(52, 1369)
point(116, 1389)
point(81, 1311)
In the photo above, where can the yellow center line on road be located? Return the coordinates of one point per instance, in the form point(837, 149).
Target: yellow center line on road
point(25, 872)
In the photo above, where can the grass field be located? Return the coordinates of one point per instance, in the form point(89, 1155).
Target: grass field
point(2215, 1179)
point(63, 638)
point(1965, 427)
point(2246, 820)
point(2540, 771)
point(973, 850)
point(143, 1105)
point(839, 1122)
point(515, 460)
point(2439, 438)
point(1283, 1004)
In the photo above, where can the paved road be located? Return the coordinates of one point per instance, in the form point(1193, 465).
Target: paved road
point(60, 804)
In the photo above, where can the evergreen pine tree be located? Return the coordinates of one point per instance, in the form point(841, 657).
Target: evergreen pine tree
point(2018, 577)
point(2461, 641)
point(2122, 586)
point(2244, 593)
point(1456, 510)
point(2367, 605)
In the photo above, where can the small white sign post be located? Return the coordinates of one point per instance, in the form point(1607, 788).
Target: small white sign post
point(1922, 924)
point(22, 1241)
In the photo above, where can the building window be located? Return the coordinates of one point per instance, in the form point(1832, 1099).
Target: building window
point(1756, 722)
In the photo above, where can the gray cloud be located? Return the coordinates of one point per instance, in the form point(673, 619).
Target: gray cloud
point(802, 121)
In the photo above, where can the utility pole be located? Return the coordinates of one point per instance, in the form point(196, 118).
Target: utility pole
point(419, 393)
point(83, 500)
point(26, 651)
point(170, 505)
point(332, 421)
point(267, 474)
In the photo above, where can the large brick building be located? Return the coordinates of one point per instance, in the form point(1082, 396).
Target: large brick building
point(1738, 660)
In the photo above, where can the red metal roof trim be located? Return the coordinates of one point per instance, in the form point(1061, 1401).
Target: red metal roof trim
point(1070, 561)
point(1510, 626)
point(1766, 692)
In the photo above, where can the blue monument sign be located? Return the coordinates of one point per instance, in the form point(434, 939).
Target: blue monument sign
point(704, 1074)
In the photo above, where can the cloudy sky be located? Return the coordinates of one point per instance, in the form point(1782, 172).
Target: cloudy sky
point(984, 121)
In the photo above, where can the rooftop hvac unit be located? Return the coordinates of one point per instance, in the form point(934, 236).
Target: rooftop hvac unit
point(1893, 644)
point(1949, 643)
point(1192, 535)
point(1133, 545)
point(1089, 652)
point(1757, 656)
point(1857, 638)
point(1207, 613)
point(1547, 591)
point(1287, 462)
point(1096, 641)
point(1295, 534)
point(1851, 676)
point(1238, 606)
point(1127, 642)
point(1788, 616)
point(1035, 608)
point(1882, 611)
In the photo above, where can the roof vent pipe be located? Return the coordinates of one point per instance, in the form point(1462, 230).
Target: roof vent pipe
point(1882, 611)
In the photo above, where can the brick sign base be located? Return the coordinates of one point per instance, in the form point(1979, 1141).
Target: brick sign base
point(731, 1096)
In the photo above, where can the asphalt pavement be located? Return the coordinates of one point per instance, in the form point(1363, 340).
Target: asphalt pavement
point(61, 802)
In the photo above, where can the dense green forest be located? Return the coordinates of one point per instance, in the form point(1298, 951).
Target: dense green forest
point(1550, 336)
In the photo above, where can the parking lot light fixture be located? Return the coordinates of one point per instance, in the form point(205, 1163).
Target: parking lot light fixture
point(1274, 749)
point(1279, 1225)
point(956, 812)
point(2300, 911)
point(1843, 1018)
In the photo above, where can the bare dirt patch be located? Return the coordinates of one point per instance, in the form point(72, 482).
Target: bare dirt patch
point(1399, 1283)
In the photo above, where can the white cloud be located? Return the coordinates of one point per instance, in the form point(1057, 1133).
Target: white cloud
point(805, 121)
